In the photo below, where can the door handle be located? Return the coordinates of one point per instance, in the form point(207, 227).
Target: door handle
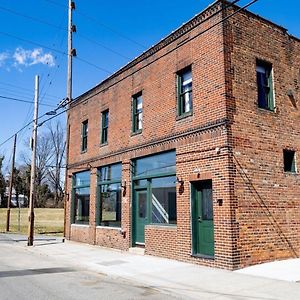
point(200, 219)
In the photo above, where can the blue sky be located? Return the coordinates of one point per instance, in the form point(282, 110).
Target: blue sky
point(109, 34)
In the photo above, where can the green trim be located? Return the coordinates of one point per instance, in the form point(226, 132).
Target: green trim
point(84, 136)
point(271, 105)
point(104, 127)
point(167, 174)
point(179, 94)
point(72, 212)
point(109, 182)
point(134, 114)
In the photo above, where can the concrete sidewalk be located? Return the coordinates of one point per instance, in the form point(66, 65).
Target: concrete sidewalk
point(186, 281)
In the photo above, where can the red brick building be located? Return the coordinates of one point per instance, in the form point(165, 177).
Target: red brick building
point(191, 150)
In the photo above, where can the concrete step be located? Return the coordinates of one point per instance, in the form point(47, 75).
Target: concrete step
point(137, 250)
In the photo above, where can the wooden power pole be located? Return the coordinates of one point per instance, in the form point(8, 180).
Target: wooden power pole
point(33, 161)
point(11, 180)
point(71, 53)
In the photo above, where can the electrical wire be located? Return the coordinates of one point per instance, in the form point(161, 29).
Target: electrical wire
point(62, 28)
point(102, 25)
point(25, 89)
point(200, 33)
point(24, 101)
point(54, 50)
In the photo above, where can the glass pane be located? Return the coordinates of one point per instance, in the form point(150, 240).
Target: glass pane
point(82, 205)
point(142, 204)
point(163, 200)
point(187, 102)
point(156, 164)
point(187, 78)
point(110, 205)
point(140, 121)
point(207, 204)
point(141, 183)
point(112, 172)
point(139, 103)
point(82, 178)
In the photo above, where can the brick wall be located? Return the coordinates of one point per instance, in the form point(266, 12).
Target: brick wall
point(268, 211)
point(227, 139)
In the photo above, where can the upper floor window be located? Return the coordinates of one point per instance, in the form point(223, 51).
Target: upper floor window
point(264, 85)
point(84, 135)
point(289, 161)
point(137, 113)
point(104, 130)
point(184, 91)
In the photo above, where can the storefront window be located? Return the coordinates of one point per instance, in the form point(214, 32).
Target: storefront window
point(81, 198)
point(163, 200)
point(156, 176)
point(110, 199)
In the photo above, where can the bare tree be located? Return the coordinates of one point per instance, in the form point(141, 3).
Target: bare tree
point(50, 161)
point(2, 182)
point(55, 171)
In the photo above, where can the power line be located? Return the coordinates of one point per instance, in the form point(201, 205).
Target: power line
point(183, 43)
point(26, 89)
point(62, 28)
point(54, 50)
point(101, 45)
point(102, 25)
point(30, 17)
point(200, 33)
point(22, 100)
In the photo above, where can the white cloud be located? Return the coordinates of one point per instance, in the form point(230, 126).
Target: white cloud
point(27, 58)
point(3, 57)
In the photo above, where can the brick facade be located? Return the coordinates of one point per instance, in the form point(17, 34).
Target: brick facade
point(227, 139)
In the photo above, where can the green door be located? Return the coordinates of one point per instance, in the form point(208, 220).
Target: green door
point(140, 216)
point(203, 224)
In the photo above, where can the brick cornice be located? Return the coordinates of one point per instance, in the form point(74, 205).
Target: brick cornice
point(191, 132)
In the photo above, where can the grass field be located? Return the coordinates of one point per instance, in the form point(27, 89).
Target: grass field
point(47, 220)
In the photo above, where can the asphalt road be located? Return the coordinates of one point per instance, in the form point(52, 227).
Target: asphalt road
point(26, 275)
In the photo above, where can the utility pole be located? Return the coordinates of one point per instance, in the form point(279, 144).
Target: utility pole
point(71, 53)
point(11, 184)
point(33, 161)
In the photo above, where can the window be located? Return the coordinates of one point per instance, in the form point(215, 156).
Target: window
point(264, 85)
point(110, 204)
point(155, 178)
point(289, 161)
point(137, 113)
point(84, 135)
point(104, 131)
point(81, 198)
point(184, 92)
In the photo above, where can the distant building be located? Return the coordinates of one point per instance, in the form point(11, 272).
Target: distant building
point(191, 150)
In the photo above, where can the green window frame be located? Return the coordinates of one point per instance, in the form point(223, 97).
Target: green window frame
point(264, 77)
point(80, 205)
point(137, 113)
point(104, 129)
point(185, 92)
point(109, 196)
point(84, 135)
point(157, 175)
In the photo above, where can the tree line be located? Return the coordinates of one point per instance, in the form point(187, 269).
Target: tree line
point(50, 170)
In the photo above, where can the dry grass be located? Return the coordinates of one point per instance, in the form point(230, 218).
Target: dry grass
point(47, 220)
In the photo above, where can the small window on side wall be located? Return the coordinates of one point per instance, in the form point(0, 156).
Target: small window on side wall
point(137, 113)
point(84, 135)
point(104, 131)
point(265, 95)
point(184, 92)
point(289, 160)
